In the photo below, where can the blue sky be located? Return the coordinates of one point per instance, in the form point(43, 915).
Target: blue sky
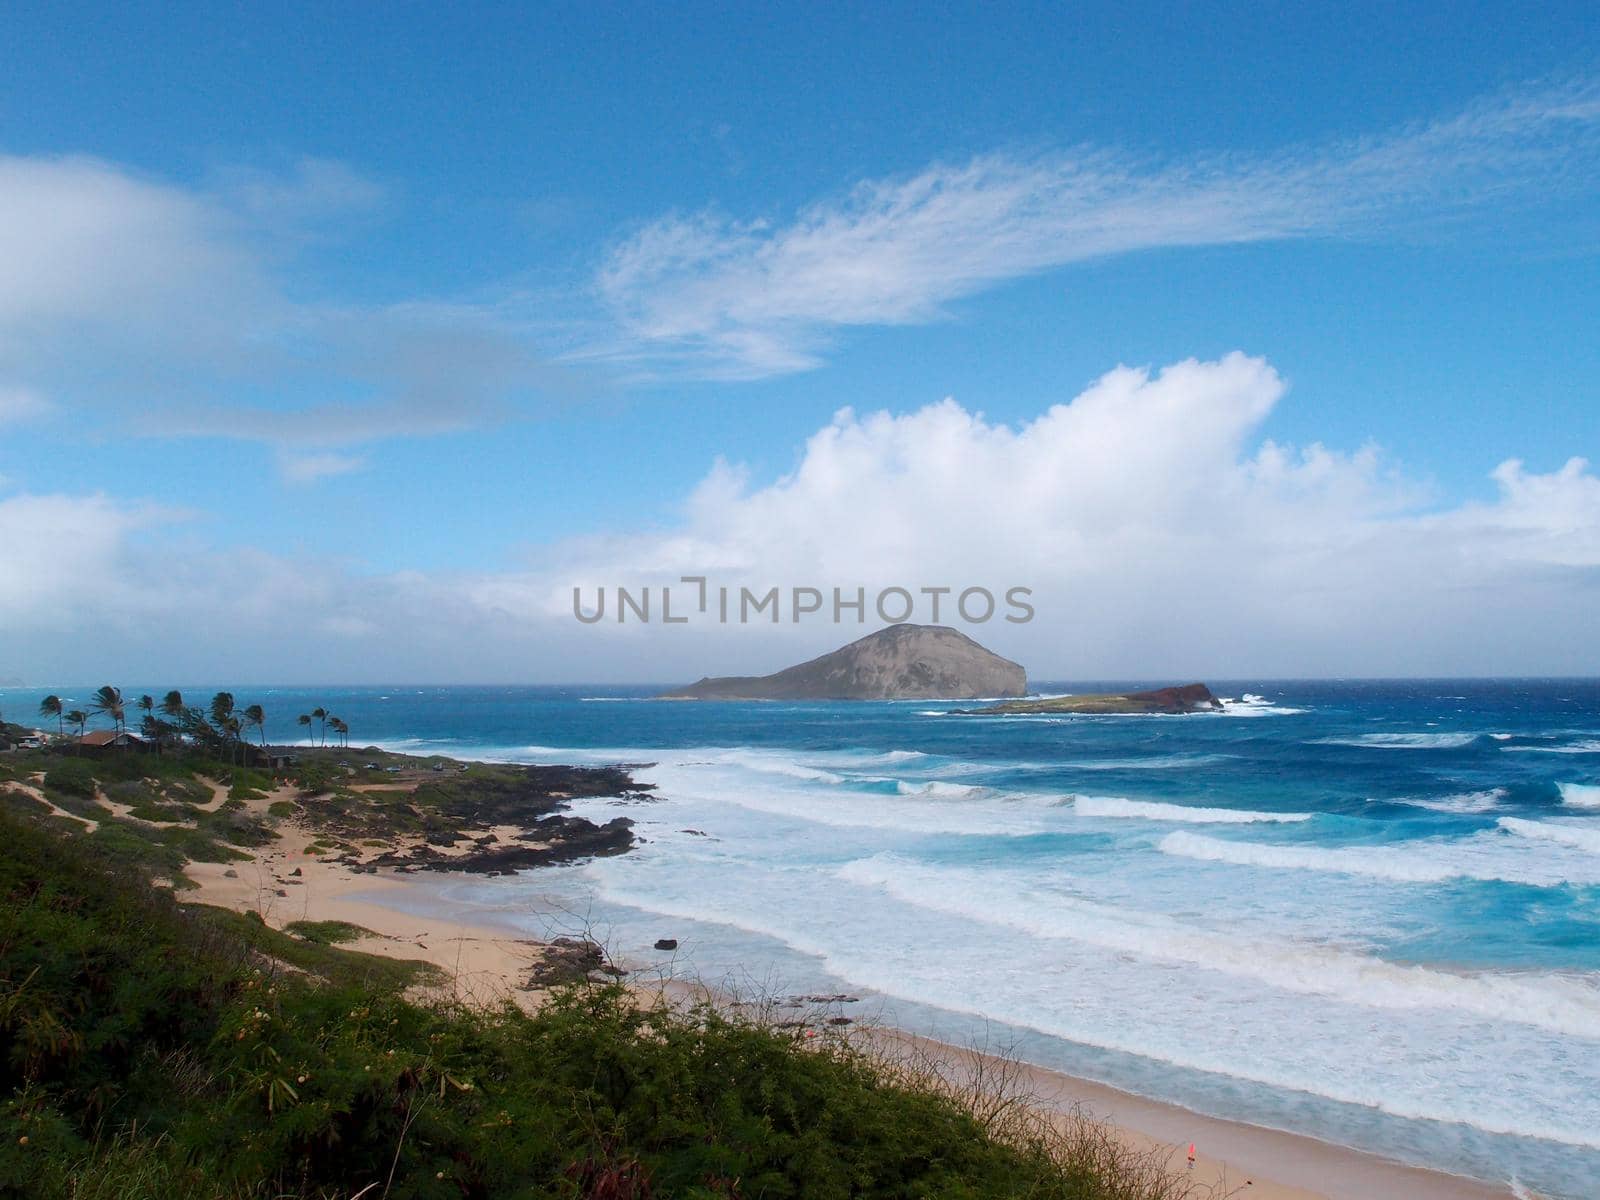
point(378, 313)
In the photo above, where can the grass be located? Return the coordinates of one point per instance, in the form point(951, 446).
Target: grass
point(328, 933)
point(154, 1049)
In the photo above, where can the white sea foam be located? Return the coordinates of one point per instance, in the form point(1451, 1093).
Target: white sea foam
point(1403, 741)
point(798, 799)
point(1154, 762)
point(1580, 795)
point(1583, 746)
point(885, 759)
point(1115, 806)
point(1580, 836)
point(769, 763)
point(940, 790)
point(1249, 705)
point(1547, 1000)
point(1430, 861)
point(1430, 1056)
point(1461, 802)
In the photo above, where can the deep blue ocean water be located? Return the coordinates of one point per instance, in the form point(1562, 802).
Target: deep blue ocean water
point(1366, 911)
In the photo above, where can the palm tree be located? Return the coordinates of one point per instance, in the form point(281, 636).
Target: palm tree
point(222, 716)
point(305, 719)
point(147, 723)
point(50, 706)
point(341, 730)
point(321, 714)
point(108, 700)
point(257, 716)
point(172, 703)
point(78, 718)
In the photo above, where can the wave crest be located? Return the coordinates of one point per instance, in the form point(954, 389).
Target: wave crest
point(1116, 806)
point(1580, 795)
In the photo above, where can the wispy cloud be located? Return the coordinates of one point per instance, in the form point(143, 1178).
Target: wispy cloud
point(309, 468)
point(716, 296)
point(172, 307)
point(19, 404)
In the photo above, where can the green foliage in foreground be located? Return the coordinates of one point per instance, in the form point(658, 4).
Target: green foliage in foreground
point(151, 1049)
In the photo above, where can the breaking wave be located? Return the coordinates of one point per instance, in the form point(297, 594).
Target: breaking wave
point(1580, 795)
point(1115, 806)
point(1436, 861)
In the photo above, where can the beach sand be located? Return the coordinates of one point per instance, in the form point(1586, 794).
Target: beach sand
point(488, 963)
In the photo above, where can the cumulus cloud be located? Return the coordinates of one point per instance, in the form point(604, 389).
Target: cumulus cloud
point(710, 294)
point(1161, 534)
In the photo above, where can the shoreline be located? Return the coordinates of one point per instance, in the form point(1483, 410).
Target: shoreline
point(487, 961)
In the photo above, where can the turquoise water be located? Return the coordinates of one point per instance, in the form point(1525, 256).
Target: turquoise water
point(1369, 912)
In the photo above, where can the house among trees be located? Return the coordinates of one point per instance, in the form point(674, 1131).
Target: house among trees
point(111, 739)
point(273, 758)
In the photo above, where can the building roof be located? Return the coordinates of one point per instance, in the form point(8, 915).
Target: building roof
point(108, 737)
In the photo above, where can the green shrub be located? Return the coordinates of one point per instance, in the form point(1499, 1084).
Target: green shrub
point(21, 801)
point(187, 790)
point(328, 933)
point(71, 777)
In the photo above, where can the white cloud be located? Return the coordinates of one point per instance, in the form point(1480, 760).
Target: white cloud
point(309, 468)
point(743, 299)
point(19, 404)
point(59, 557)
point(1163, 537)
point(160, 303)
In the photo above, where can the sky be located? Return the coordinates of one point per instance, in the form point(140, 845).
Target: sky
point(342, 345)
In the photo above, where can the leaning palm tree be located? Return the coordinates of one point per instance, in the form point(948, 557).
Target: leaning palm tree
point(221, 715)
point(147, 723)
point(108, 700)
point(340, 730)
point(50, 706)
point(305, 719)
point(232, 726)
point(321, 714)
point(78, 718)
point(257, 716)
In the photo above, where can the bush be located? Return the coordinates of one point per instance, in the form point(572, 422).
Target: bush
point(327, 933)
point(71, 777)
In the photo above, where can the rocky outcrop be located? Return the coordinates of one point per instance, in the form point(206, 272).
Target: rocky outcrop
point(1189, 698)
point(902, 662)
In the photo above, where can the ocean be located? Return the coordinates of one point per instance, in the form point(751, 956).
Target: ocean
point(1364, 911)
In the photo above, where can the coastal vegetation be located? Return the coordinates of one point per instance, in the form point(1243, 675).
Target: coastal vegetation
point(221, 724)
point(151, 1047)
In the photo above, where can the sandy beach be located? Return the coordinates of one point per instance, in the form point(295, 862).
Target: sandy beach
point(489, 963)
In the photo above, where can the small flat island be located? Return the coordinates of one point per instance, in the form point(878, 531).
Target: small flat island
point(1189, 698)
